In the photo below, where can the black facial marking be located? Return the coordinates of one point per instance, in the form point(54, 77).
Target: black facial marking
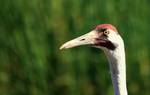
point(101, 29)
point(105, 43)
point(109, 45)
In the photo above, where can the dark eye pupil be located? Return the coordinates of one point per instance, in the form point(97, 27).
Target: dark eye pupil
point(105, 32)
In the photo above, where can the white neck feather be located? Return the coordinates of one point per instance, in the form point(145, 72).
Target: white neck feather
point(118, 68)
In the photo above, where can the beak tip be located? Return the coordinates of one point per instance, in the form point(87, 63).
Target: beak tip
point(61, 48)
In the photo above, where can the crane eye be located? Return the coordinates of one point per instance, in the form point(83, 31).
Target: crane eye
point(106, 32)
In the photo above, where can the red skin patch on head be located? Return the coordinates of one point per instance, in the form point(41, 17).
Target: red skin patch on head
point(108, 26)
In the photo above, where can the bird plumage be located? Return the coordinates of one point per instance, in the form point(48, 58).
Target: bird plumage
point(117, 65)
point(107, 38)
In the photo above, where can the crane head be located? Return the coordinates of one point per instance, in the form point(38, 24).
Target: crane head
point(104, 36)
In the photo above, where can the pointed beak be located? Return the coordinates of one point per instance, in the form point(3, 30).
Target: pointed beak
point(87, 39)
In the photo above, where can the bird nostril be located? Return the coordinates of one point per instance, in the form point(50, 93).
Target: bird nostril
point(82, 39)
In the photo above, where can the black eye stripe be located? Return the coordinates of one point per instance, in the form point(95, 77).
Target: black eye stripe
point(101, 29)
point(104, 29)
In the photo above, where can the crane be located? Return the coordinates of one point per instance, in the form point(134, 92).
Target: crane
point(107, 38)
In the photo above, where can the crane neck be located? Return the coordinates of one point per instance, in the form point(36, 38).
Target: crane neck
point(117, 65)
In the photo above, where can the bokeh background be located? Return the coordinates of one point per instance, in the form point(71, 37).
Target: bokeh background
point(31, 32)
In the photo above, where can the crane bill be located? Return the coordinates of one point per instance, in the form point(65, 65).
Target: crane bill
point(87, 39)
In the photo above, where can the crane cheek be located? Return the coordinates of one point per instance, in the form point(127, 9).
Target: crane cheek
point(105, 43)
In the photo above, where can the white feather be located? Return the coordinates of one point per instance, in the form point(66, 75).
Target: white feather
point(117, 63)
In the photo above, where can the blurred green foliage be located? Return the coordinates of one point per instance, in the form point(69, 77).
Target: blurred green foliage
point(31, 32)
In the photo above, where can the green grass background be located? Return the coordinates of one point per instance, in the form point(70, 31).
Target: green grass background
point(31, 32)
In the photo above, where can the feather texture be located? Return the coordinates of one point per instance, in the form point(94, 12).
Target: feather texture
point(117, 64)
